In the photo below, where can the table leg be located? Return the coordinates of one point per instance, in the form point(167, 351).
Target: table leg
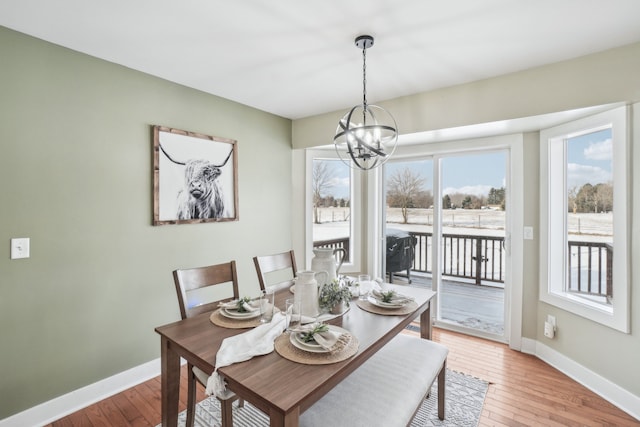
point(277, 419)
point(425, 323)
point(170, 383)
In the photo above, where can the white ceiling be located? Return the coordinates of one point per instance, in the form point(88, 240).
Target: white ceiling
point(296, 58)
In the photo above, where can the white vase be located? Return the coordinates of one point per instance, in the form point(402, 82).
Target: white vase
point(307, 291)
point(323, 260)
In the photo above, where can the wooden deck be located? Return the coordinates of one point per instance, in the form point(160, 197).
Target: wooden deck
point(480, 307)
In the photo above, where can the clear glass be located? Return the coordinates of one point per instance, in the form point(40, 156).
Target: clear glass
point(267, 299)
point(409, 208)
point(589, 217)
point(331, 201)
point(292, 312)
point(472, 241)
point(364, 281)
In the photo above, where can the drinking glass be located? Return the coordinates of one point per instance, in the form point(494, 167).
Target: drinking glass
point(267, 298)
point(365, 285)
point(292, 311)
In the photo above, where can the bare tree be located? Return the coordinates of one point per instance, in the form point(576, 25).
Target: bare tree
point(322, 175)
point(604, 195)
point(573, 198)
point(403, 186)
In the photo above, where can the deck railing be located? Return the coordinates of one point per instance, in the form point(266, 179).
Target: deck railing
point(479, 258)
point(482, 258)
point(590, 268)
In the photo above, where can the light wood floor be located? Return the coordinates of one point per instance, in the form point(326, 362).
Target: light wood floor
point(523, 391)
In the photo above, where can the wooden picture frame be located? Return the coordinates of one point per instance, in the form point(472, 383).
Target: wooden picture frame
point(195, 177)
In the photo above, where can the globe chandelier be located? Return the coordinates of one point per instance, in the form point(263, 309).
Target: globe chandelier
point(367, 135)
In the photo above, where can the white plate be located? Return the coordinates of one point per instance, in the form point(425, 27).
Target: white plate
point(382, 304)
point(233, 314)
point(292, 289)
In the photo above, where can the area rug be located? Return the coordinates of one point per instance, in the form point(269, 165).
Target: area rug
point(463, 406)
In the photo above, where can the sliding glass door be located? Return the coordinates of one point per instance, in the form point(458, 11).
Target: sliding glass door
point(447, 227)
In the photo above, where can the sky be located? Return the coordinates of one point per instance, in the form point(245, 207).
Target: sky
point(469, 174)
point(589, 159)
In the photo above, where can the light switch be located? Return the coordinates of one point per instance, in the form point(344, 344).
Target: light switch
point(528, 233)
point(20, 248)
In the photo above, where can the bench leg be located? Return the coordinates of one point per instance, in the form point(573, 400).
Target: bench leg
point(441, 390)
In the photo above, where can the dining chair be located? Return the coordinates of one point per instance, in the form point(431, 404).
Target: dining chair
point(275, 268)
point(189, 285)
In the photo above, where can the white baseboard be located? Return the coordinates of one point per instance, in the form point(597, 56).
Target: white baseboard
point(601, 386)
point(66, 404)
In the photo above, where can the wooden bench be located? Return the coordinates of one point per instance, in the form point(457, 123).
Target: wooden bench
point(387, 390)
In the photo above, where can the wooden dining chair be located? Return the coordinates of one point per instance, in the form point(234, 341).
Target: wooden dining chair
point(279, 266)
point(189, 284)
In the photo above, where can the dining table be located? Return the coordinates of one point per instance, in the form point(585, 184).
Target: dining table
point(281, 388)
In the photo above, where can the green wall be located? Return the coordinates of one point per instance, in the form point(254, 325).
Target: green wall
point(76, 177)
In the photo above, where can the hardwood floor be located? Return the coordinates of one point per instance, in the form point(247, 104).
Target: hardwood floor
point(523, 391)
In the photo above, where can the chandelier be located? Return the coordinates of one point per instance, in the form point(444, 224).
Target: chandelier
point(367, 135)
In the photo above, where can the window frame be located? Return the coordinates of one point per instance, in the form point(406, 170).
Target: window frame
point(349, 266)
point(553, 231)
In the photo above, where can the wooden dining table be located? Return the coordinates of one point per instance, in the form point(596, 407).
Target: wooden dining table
point(279, 387)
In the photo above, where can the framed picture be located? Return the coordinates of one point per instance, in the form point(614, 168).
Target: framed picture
point(195, 177)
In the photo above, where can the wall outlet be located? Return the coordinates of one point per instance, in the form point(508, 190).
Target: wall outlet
point(550, 327)
point(20, 248)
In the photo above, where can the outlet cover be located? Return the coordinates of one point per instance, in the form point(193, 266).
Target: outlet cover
point(528, 233)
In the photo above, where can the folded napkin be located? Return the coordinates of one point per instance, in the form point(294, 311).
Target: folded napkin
point(330, 340)
point(234, 305)
point(243, 347)
point(396, 298)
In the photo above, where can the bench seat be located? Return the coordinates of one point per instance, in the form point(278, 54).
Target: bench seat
point(387, 390)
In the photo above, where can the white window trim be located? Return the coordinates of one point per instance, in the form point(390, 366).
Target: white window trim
point(356, 211)
point(552, 227)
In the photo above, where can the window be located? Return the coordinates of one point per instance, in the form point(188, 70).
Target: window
point(333, 206)
point(583, 218)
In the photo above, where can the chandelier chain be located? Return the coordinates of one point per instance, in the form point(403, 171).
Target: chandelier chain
point(364, 77)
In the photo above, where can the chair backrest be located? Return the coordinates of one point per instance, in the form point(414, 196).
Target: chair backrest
point(277, 264)
point(193, 279)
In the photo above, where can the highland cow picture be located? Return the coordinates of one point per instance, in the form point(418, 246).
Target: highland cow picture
point(194, 177)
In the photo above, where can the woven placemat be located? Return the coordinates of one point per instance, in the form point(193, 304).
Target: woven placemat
point(219, 320)
point(406, 309)
point(289, 351)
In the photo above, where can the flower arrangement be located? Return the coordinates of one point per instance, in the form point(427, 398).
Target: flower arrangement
point(333, 294)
